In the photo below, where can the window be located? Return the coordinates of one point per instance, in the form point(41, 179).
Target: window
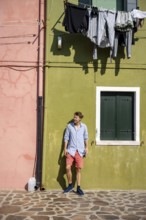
point(130, 4)
point(117, 116)
point(125, 5)
point(85, 2)
point(105, 4)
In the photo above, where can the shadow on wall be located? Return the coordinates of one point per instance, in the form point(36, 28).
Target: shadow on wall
point(83, 52)
point(62, 167)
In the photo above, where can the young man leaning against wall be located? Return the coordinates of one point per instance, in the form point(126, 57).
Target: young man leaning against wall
point(75, 149)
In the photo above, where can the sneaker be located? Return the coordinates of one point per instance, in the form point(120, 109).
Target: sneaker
point(80, 192)
point(69, 188)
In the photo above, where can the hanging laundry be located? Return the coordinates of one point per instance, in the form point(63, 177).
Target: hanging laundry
point(138, 23)
point(123, 39)
point(135, 13)
point(101, 28)
point(75, 20)
point(105, 28)
point(92, 24)
point(138, 20)
point(124, 21)
point(92, 31)
point(123, 32)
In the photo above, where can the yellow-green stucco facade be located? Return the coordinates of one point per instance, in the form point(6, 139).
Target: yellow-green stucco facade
point(71, 78)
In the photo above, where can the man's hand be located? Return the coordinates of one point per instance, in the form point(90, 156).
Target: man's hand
point(65, 152)
point(86, 147)
point(86, 150)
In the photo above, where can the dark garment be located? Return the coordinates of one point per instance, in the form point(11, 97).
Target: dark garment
point(94, 12)
point(76, 19)
point(123, 39)
point(137, 24)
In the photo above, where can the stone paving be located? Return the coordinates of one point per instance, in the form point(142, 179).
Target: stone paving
point(54, 205)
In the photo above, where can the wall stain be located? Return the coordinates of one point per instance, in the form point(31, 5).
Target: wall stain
point(28, 157)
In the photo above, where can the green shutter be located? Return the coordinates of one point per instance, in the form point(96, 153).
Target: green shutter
point(117, 116)
point(125, 116)
point(105, 4)
point(108, 116)
point(120, 5)
point(130, 4)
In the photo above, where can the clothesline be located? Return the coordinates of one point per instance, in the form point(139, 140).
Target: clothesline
point(74, 1)
point(85, 5)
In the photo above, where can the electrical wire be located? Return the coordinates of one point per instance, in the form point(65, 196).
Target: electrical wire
point(19, 36)
point(21, 23)
point(24, 42)
point(15, 68)
point(21, 61)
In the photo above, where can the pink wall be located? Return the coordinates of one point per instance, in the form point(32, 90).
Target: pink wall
point(18, 90)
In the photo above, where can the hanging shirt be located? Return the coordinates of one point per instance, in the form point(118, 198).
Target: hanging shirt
point(123, 32)
point(92, 31)
point(106, 28)
point(101, 29)
point(135, 13)
point(124, 21)
point(75, 20)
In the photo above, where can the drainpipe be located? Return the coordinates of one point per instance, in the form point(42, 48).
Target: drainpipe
point(38, 171)
point(39, 119)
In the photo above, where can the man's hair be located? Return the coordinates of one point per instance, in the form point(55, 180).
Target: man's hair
point(79, 114)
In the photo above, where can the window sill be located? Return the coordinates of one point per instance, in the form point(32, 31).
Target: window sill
point(118, 143)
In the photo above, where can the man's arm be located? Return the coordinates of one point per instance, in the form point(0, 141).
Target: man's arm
point(86, 140)
point(86, 146)
point(66, 140)
point(65, 147)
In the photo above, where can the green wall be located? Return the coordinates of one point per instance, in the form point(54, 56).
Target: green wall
point(71, 78)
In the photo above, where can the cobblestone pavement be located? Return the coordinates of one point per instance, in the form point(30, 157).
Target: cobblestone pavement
point(54, 205)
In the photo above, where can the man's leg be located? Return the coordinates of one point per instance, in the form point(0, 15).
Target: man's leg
point(69, 174)
point(69, 161)
point(79, 166)
point(78, 176)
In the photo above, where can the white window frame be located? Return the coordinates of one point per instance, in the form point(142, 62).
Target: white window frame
point(136, 91)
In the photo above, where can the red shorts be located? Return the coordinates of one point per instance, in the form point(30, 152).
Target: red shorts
point(77, 158)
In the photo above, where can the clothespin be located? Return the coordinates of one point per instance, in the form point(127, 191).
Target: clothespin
point(65, 1)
